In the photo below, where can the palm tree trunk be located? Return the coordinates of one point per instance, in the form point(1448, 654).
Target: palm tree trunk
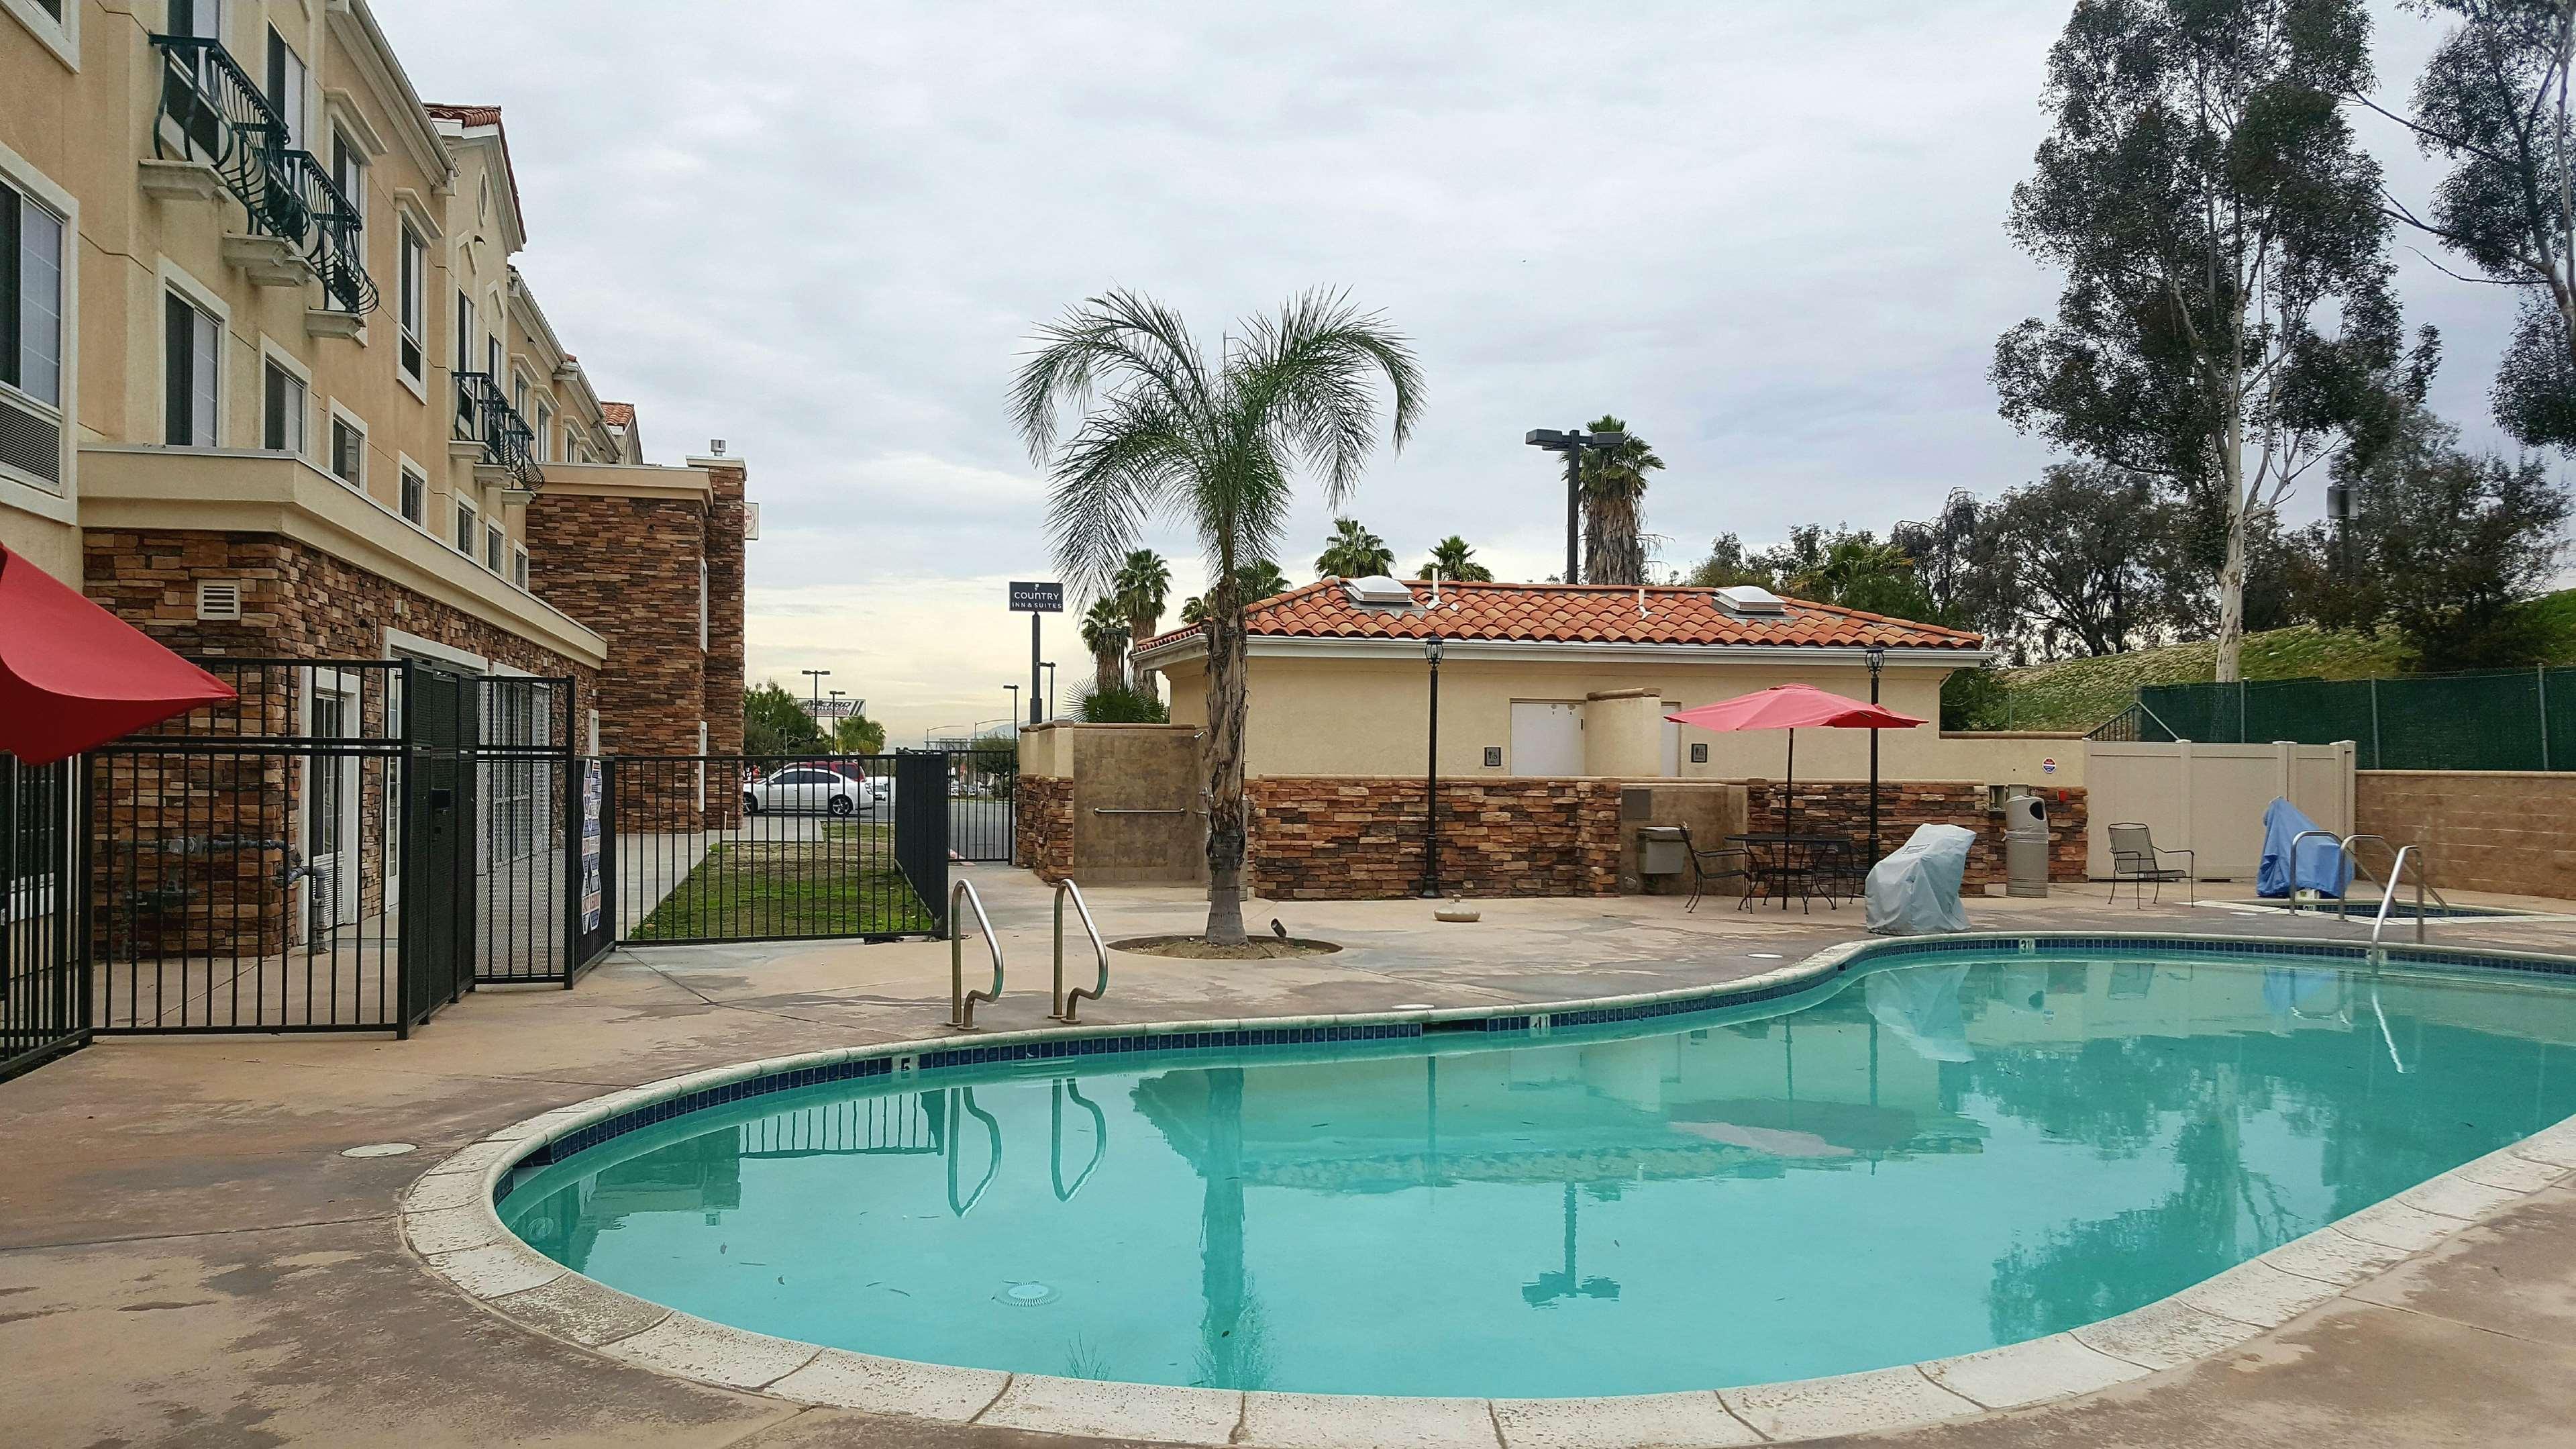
point(1105, 671)
point(1140, 680)
point(1227, 704)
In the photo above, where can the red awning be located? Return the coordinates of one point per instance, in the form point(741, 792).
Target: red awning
point(1793, 707)
point(73, 675)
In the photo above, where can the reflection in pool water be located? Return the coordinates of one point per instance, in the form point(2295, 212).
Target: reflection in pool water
point(1912, 1162)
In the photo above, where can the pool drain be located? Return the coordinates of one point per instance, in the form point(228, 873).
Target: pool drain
point(379, 1149)
point(1026, 1295)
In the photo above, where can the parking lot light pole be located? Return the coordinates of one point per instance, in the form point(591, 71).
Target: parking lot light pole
point(818, 676)
point(1571, 443)
point(1431, 783)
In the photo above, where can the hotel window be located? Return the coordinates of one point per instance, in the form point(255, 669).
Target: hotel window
point(415, 497)
point(465, 527)
point(286, 87)
point(412, 269)
point(189, 338)
point(203, 19)
point(519, 566)
point(492, 547)
point(281, 410)
point(464, 333)
point(31, 336)
point(519, 396)
point(545, 433)
point(349, 173)
point(348, 453)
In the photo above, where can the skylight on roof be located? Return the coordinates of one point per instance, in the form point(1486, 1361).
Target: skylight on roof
point(1751, 599)
point(1379, 591)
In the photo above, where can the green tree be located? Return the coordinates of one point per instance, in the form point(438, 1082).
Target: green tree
point(1121, 705)
point(1730, 564)
point(1614, 506)
point(2441, 547)
point(856, 734)
point(1453, 558)
point(1104, 630)
point(1858, 572)
point(2087, 560)
point(1142, 586)
point(1217, 444)
point(773, 723)
point(2226, 304)
point(2492, 102)
point(1353, 553)
point(1254, 582)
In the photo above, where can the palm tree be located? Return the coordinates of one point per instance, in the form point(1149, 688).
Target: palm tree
point(1614, 511)
point(1217, 445)
point(1254, 582)
point(1104, 633)
point(1354, 553)
point(1142, 586)
point(1452, 558)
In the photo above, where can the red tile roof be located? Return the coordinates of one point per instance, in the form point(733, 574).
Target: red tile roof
point(1579, 613)
point(464, 115)
point(617, 415)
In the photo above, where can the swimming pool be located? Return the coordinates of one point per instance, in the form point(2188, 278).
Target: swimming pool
point(1926, 1155)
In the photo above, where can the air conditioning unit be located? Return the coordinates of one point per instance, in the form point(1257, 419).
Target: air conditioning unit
point(219, 601)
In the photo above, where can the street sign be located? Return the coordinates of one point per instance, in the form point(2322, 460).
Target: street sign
point(1029, 598)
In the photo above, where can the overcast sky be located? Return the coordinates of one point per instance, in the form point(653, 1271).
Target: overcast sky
point(1768, 233)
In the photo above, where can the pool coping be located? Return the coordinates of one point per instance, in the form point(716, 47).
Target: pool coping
point(449, 1217)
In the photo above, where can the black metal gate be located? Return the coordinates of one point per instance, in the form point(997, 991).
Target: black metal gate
point(773, 848)
point(983, 790)
point(528, 854)
point(437, 829)
point(44, 975)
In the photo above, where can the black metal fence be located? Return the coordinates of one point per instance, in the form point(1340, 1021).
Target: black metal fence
point(983, 791)
point(2507, 719)
point(44, 975)
point(769, 848)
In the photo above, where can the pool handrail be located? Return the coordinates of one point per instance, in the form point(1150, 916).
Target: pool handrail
point(2398, 856)
point(964, 1097)
point(961, 1002)
point(1059, 1089)
point(1068, 1004)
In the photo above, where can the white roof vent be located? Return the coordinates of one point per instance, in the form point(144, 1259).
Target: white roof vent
point(1378, 591)
point(219, 600)
point(1751, 599)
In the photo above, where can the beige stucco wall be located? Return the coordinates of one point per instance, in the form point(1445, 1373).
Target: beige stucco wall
point(1365, 716)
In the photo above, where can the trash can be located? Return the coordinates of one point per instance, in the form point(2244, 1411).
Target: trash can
point(2026, 846)
point(1662, 850)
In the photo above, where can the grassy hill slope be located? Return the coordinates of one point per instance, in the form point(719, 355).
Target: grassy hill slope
point(2077, 694)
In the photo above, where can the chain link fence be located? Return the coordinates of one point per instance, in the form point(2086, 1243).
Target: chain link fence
point(2505, 719)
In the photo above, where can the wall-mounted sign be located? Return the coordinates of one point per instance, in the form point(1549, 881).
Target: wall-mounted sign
point(2048, 767)
point(1031, 598)
point(1699, 752)
point(1493, 757)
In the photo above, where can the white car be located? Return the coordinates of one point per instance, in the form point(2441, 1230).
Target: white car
point(809, 790)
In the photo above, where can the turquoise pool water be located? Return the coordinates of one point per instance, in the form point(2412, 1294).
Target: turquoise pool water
point(1910, 1162)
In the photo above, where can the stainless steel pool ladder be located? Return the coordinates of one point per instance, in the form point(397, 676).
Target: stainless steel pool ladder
point(1068, 1004)
point(2294, 861)
point(2399, 856)
point(961, 1002)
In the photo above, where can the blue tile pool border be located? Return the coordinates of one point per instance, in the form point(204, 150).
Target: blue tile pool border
point(918, 1059)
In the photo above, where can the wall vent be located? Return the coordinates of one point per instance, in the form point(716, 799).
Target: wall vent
point(219, 601)
point(31, 443)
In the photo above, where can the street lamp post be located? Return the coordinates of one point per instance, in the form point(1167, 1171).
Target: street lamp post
point(1877, 661)
point(1572, 443)
point(1431, 783)
point(818, 676)
point(1014, 691)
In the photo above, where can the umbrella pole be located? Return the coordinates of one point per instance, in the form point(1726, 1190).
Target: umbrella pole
point(1789, 812)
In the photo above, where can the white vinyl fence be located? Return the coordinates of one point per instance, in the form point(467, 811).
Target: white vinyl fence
point(2210, 798)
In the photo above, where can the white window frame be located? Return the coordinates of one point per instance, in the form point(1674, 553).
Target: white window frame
point(345, 147)
point(467, 521)
point(405, 468)
point(60, 37)
point(330, 446)
point(519, 566)
point(44, 497)
point(272, 354)
point(205, 299)
point(542, 428)
point(495, 552)
point(297, 102)
point(411, 251)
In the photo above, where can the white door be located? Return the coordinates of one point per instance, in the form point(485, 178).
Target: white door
point(1547, 737)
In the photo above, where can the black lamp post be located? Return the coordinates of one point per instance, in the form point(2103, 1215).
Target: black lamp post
point(1877, 661)
point(1013, 691)
point(1431, 784)
point(1572, 443)
point(818, 675)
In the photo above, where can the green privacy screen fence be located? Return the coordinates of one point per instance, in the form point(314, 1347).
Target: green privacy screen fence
point(2507, 719)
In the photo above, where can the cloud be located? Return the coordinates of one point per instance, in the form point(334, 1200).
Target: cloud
point(1769, 235)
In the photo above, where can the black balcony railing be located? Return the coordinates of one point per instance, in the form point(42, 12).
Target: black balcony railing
point(212, 112)
point(484, 415)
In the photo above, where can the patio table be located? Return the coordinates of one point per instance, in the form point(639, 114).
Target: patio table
point(1780, 864)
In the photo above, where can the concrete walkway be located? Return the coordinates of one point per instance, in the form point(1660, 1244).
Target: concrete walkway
point(187, 1257)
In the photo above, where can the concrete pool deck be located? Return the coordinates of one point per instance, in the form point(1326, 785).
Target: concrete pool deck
point(186, 1257)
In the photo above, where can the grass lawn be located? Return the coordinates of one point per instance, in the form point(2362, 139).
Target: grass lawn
point(844, 884)
point(2077, 694)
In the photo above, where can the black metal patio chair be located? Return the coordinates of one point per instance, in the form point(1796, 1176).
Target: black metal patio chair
point(1719, 864)
point(2138, 860)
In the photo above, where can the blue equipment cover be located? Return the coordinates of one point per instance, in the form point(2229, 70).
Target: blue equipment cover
point(2321, 865)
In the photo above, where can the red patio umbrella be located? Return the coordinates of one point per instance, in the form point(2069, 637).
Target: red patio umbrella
point(73, 675)
point(1793, 707)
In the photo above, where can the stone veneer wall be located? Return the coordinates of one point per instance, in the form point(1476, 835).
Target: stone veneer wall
point(724, 665)
point(1042, 826)
point(1841, 807)
point(297, 603)
point(2481, 830)
point(1360, 838)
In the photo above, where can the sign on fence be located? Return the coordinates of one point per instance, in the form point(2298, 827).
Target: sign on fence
point(590, 838)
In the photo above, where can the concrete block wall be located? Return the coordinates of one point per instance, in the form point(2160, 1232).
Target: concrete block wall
point(2482, 830)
